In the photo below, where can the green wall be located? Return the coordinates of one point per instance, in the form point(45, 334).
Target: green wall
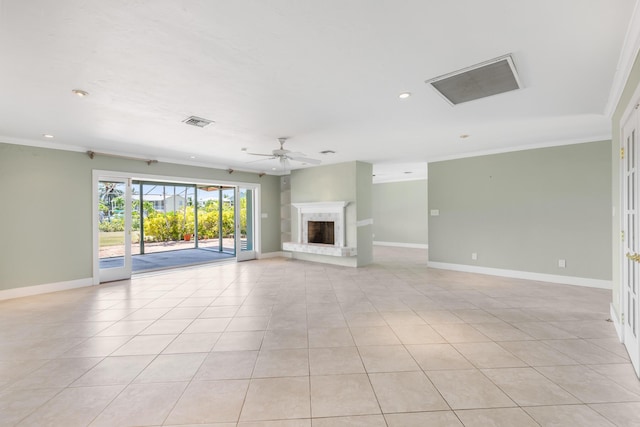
point(400, 212)
point(351, 182)
point(46, 213)
point(525, 210)
point(632, 83)
point(364, 203)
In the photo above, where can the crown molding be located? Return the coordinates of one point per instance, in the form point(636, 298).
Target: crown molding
point(628, 55)
point(559, 143)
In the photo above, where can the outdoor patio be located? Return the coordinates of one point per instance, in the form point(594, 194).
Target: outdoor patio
point(161, 255)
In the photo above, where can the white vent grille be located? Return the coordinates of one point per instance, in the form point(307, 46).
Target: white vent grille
point(478, 81)
point(197, 121)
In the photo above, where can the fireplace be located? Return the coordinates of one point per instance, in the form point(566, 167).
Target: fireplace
point(321, 232)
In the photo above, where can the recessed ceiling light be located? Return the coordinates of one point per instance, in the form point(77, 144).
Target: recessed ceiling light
point(404, 95)
point(46, 135)
point(192, 157)
point(81, 93)
point(273, 169)
point(464, 136)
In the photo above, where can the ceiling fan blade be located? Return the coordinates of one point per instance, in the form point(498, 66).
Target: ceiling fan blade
point(260, 154)
point(262, 160)
point(305, 160)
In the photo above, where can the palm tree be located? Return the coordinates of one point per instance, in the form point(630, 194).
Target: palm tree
point(107, 193)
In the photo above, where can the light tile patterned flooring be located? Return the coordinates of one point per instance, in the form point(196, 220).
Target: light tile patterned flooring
point(287, 343)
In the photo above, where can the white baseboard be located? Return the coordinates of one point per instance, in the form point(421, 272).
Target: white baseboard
point(516, 274)
point(401, 245)
point(278, 254)
point(616, 321)
point(28, 291)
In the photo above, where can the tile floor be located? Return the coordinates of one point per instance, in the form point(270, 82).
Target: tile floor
point(286, 343)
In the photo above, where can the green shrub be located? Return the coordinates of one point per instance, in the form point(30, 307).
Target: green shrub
point(174, 225)
point(116, 224)
point(208, 225)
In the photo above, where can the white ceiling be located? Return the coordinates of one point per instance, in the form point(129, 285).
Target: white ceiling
point(325, 73)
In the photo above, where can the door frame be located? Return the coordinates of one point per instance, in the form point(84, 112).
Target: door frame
point(119, 273)
point(177, 180)
point(632, 112)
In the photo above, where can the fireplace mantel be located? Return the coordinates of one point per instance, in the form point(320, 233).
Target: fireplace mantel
point(321, 211)
point(311, 207)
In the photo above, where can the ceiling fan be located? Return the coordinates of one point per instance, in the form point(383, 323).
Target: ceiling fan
point(284, 155)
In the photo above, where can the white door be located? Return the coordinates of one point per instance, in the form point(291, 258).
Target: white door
point(631, 239)
point(112, 219)
point(246, 211)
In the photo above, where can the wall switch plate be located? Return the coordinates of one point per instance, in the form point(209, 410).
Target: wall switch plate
point(562, 263)
point(435, 212)
point(474, 256)
point(264, 215)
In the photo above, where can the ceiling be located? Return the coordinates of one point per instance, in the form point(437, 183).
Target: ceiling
point(327, 74)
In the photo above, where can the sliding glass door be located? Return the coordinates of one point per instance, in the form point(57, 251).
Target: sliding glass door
point(143, 224)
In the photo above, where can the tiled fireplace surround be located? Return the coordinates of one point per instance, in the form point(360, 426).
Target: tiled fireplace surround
point(321, 211)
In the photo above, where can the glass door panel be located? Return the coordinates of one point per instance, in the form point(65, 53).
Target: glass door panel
point(228, 220)
point(167, 217)
point(137, 214)
point(208, 203)
point(246, 223)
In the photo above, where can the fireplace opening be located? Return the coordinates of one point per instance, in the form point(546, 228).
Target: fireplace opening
point(321, 232)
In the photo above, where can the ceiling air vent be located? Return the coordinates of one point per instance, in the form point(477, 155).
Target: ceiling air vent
point(478, 81)
point(197, 121)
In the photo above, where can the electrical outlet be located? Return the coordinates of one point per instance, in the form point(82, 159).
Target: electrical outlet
point(562, 263)
point(474, 256)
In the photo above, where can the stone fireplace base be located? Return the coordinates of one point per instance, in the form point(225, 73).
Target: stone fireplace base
point(311, 248)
